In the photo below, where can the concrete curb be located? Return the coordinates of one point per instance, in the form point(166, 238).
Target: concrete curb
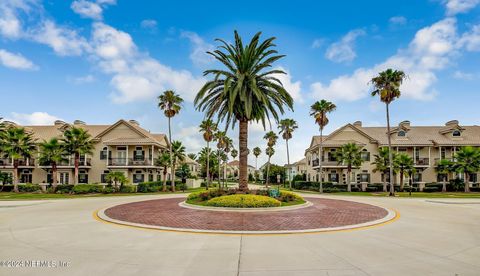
point(184, 204)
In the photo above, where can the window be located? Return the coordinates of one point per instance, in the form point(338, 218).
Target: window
point(364, 177)
point(150, 177)
point(401, 133)
point(103, 177)
point(138, 177)
point(64, 177)
point(103, 154)
point(472, 177)
point(139, 154)
point(456, 133)
point(417, 177)
point(365, 155)
point(83, 177)
point(443, 153)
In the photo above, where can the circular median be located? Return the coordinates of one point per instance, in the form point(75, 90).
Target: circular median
point(322, 215)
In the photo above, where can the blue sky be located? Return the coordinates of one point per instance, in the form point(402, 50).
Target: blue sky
point(102, 60)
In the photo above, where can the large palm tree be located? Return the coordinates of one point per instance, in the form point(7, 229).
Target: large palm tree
point(381, 164)
point(387, 87)
point(171, 104)
point(244, 90)
point(77, 141)
point(467, 162)
point(208, 127)
point(52, 153)
point(350, 156)
point(270, 151)
point(443, 168)
point(178, 155)
point(163, 161)
point(319, 111)
point(17, 144)
point(403, 163)
point(287, 127)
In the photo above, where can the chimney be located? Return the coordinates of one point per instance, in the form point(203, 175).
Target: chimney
point(78, 122)
point(358, 124)
point(451, 123)
point(405, 123)
point(134, 122)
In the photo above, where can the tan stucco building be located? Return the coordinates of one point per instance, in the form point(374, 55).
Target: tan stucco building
point(123, 146)
point(425, 144)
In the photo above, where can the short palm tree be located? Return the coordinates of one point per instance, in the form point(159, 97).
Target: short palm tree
point(287, 127)
point(387, 87)
point(208, 127)
point(52, 153)
point(171, 104)
point(270, 151)
point(381, 164)
point(350, 156)
point(271, 138)
point(163, 161)
point(227, 148)
point(116, 178)
point(221, 138)
point(403, 164)
point(77, 142)
point(319, 111)
point(256, 151)
point(178, 155)
point(444, 167)
point(467, 162)
point(17, 144)
point(245, 90)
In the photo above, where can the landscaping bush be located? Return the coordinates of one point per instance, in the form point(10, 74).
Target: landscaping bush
point(6, 188)
point(243, 201)
point(29, 188)
point(431, 189)
point(108, 190)
point(289, 197)
point(127, 189)
point(355, 189)
point(375, 187)
point(64, 188)
point(456, 185)
point(334, 190)
point(475, 189)
point(149, 187)
point(87, 189)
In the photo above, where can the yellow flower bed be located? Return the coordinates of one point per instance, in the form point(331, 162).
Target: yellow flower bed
point(243, 201)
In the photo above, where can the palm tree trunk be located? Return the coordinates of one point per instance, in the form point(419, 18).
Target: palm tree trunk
point(390, 156)
point(467, 180)
point(256, 168)
point(173, 176)
point(15, 176)
point(268, 172)
point(208, 165)
point(219, 164)
point(243, 147)
point(384, 182)
point(401, 180)
point(75, 171)
point(164, 188)
point(54, 176)
point(349, 183)
point(288, 171)
point(320, 161)
point(172, 166)
point(444, 184)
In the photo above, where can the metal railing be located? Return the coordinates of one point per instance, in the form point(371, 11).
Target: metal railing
point(422, 161)
point(21, 163)
point(129, 162)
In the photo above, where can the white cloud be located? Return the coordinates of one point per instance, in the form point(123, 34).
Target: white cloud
point(148, 24)
point(16, 61)
point(89, 9)
point(343, 50)
point(431, 49)
point(317, 43)
point(199, 54)
point(82, 80)
point(294, 88)
point(471, 39)
point(190, 138)
point(463, 75)
point(460, 6)
point(398, 20)
point(35, 118)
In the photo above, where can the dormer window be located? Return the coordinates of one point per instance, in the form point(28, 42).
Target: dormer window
point(401, 133)
point(456, 133)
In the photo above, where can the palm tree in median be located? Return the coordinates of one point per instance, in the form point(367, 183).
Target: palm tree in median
point(17, 144)
point(403, 163)
point(77, 142)
point(52, 153)
point(171, 104)
point(221, 138)
point(227, 148)
point(467, 162)
point(271, 138)
point(387, 86)
point(270, 151)
point(245, 90)
point(208, 127)
point(287, 127)
point(178, 155)
point(256, 151)
point(319, 111)
point(381, 164)
point(350, 156)
point(443, 168)
point(163, 161)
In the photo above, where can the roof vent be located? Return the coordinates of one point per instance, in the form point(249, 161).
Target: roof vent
point(59, 123)
point(134, 122)
point(358, 124)
point(78, 122)
point(451, 123)
point(404, 123)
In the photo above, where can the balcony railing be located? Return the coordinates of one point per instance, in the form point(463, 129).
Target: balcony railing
point(21, 163)
point(422, 162)
point(71, 162)
point(129, 162)
point(315, 163)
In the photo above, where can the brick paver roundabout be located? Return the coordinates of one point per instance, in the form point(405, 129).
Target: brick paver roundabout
point(322, 215)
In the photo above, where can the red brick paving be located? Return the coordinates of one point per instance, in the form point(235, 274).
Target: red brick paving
point(324, 213)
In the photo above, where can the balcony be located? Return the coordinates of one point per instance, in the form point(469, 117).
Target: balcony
point(330, 162)
point(422, 162)
point(7, 162)
point(131, 162)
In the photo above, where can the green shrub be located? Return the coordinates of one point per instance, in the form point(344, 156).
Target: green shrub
point(286, 196)
point(334, 190)
point(355, 189)
point(87, 189)
point(64, 188)
point(243, 201)
point(149, 187)
point(430, 189)
point(127, 189)
point(29, 188)
point(108, 190)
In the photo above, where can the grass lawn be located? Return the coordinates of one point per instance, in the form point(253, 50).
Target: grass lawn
point(36, 196)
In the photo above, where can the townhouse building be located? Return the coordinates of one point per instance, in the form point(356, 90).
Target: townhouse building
point(123, 146)
point(425, 144)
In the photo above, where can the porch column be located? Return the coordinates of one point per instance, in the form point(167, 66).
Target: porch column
point(153, 151)
point(414, 155)
point(429, 157)
point(108, 154)
point(126, 157)
point(440, 153)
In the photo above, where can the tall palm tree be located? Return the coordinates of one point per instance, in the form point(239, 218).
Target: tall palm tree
point(287, 127)
point(221, 138)
point(208, 127)
point(245, 90)
point(381, 164)
point(163, 161)
point(271, 138)
point(171, 104)
point(256, 151)
point(178, 155)
point(77, 141)
point(52, 153)
point(270, 151)
point(467, 162)
point(17, 144)
point(444, 167)
point(319, 111)
point(403, 163)
point(350, 156)
point(387, 87)
point(227, 148)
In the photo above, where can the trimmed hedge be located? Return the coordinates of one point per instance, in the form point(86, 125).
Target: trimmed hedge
point(157, 186)
point(127, 189)
point(86, 189)
point(431, 189)
point(244, 201)
point(64, 188)
point(286, 196)
point(29, 188)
